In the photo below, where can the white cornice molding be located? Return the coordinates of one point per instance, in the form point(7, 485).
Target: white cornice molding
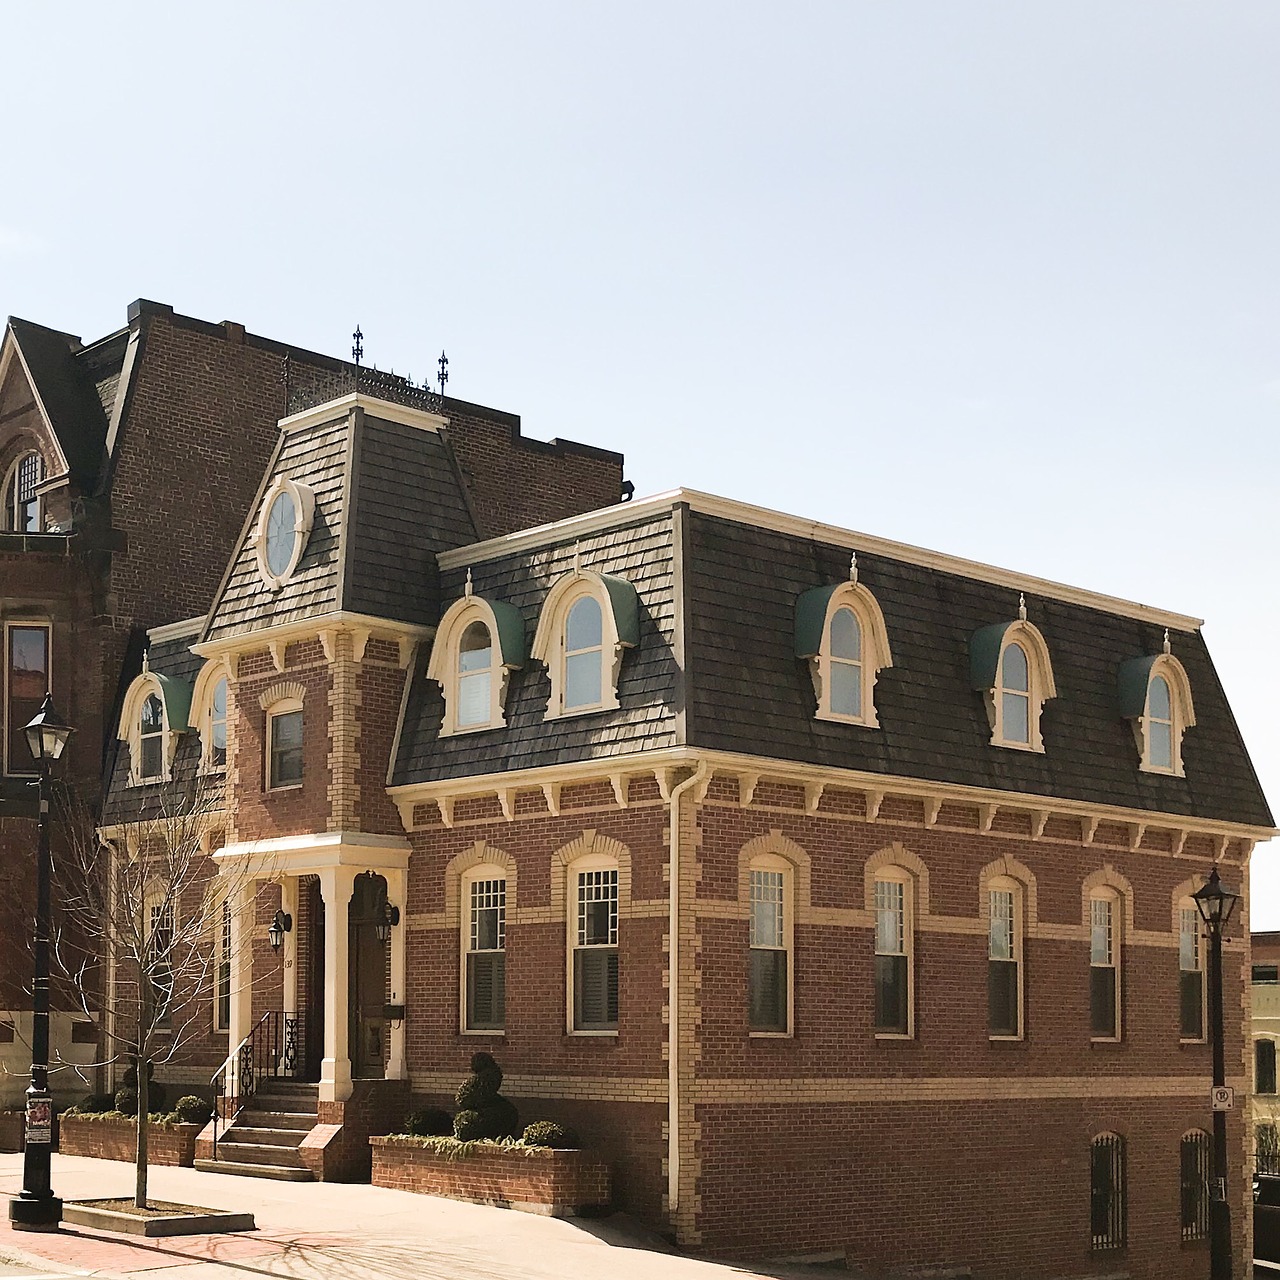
point(339, 407)
point(406, 634)
point(291, 855)
point(756, 768)
point(763, 517)
point(176, 630)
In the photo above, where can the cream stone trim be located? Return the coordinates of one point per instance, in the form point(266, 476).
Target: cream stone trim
point(874, 786)
point(341, 406)
point(588, 1088)
point(897, 855)
point(810, 530)
point(776, 845)
point(176, 630)
point(1107, 877)
point(479, 854)
point(1009, 868)
point(303, 499)
point(282, 691)
point(480, 862)
point(278, 636)
point(315, 852)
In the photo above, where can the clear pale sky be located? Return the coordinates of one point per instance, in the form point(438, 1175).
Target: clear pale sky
point(994, 278)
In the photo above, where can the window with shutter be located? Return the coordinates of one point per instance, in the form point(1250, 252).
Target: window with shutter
point(486, 956)
point(595, 955)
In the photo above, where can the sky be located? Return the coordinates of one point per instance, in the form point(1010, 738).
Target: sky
point(997, 279)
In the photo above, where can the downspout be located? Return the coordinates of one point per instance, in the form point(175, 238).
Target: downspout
point(673, 997)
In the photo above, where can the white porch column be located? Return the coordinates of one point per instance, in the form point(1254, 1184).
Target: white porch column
point(289, 905)
point(243, 898)
point(336, 884)
point(396, 896)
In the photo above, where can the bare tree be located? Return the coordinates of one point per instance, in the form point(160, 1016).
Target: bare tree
point(140, 932)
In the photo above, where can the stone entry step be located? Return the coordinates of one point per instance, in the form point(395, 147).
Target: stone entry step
point(280, 1173)
point(263, 1141)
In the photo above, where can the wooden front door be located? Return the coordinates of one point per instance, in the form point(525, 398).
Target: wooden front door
point(311, 956)
point(367, 978)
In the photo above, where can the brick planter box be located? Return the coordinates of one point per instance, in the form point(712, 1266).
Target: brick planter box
point(533, 1179)
point(113, 1139)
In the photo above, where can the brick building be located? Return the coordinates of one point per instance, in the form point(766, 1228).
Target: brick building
point(838, 890)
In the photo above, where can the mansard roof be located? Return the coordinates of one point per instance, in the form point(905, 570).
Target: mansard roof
point(737, 572)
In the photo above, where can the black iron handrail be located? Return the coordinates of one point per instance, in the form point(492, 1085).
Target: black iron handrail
point(271, 1051)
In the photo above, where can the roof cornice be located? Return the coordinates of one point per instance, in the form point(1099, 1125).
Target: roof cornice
point(763, 517)
point(331, 410)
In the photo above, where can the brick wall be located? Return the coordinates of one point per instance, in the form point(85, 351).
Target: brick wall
point(118, 1140)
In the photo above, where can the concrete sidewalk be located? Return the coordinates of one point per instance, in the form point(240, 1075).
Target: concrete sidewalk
point(323, 1231)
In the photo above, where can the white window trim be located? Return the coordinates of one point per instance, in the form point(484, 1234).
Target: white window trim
point(222, 951)
point(280, 707)
point(304, 503)
point(11, 478)
point(46, 624)
point(587, 862)
point(1181, 709)
point(1116, 899)
point(481, 871)
point(549, 642)
point(875, 654)
point(1007, 884)
point(775, 862)
point(442, 666)
point(130, 730)
point(1040, 683)
point(1188, 904)
point(900, 875)
point(202, 710)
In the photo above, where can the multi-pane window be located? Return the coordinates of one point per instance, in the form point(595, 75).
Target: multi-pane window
point(892, 972)
point(845, 665)
point(22, 502)
point(1015, 695)
point(486, 955)
point(286, 749)
point(26, 683)
point(151, 738)
point(1104, 987)
point(1159, 724)
point(584, 654)
point(1265, 975)
point(767, 999)
point(218, 724)
point(1266, 1149)
point(1108, 1195)
point(1190, 975)
point(1264, 1066)
point(222, 995)
point(595, 951)
point(1003, 1004)
point(1195, 1185)
point(475, 677)
point(160, 960)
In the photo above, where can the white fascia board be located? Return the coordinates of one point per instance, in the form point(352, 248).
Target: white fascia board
point(337, 620)
point(176, 630)
point(314, 851)
point(813, 530)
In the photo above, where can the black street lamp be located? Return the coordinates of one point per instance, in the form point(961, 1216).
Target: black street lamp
point(37, 1208)
point(1215, 905)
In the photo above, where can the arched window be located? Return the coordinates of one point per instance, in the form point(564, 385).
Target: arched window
point(1004, 959)
point(588, 621)
point(1190, 973)
point(1009, 663)
point(593, 943)
point(1108, 1192)
point(1195, 1185)
point(894, 948)
point(1104, 965)
point(1159, 724)
point(769, 978)
point(151, 739)
point(841, 631)
point(1014, 692)
point(475, 677)
point(1155, 697)
point(217, 756)
point(22, 505)
point(484, 947)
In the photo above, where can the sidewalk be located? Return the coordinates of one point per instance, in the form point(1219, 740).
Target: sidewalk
point(327, 1231)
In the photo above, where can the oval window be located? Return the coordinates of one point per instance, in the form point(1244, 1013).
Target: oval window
point(281, 534)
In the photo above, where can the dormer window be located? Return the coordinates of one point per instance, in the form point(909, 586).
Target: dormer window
point(151, 740)
point(841, 631)
point(22, 505)
point(284, 525)
point(478, 643)
point(218, 725)
point(588, 621)
point(1155, 697)
point(1009, 663)
point(209, 706)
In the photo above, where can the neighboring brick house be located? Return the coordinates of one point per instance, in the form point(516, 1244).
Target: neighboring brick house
point(837, 890)
point(1264, 1026)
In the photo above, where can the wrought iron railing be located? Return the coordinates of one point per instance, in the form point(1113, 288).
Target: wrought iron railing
point(273, 1050)
point(306, 387)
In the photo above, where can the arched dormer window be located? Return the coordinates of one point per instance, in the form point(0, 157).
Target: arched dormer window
point(1009, 663)
point(210, 703)
point(1155, 697)
point(478, 644)
point(284, 525)
point(153, 717)
point(588, 621)
point(841, 631)
point(22, 504)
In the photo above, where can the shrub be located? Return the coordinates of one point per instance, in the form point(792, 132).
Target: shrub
point(94, 1104)
point(126, 1101)
point(192, 1110)
point(546, 1133)
point(430, 1122)
point(482, 1111)
point(130, 1078)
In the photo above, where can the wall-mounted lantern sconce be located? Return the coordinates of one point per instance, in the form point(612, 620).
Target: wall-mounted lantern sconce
point(390, 918)
point(281, 923)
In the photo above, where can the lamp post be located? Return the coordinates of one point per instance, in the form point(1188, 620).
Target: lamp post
point(37, 1208)
point(1215, 905)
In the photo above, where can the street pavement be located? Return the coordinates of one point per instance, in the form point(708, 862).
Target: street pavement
point(327, 1231)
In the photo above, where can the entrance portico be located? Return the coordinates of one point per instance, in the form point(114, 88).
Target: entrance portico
point(337, 859)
